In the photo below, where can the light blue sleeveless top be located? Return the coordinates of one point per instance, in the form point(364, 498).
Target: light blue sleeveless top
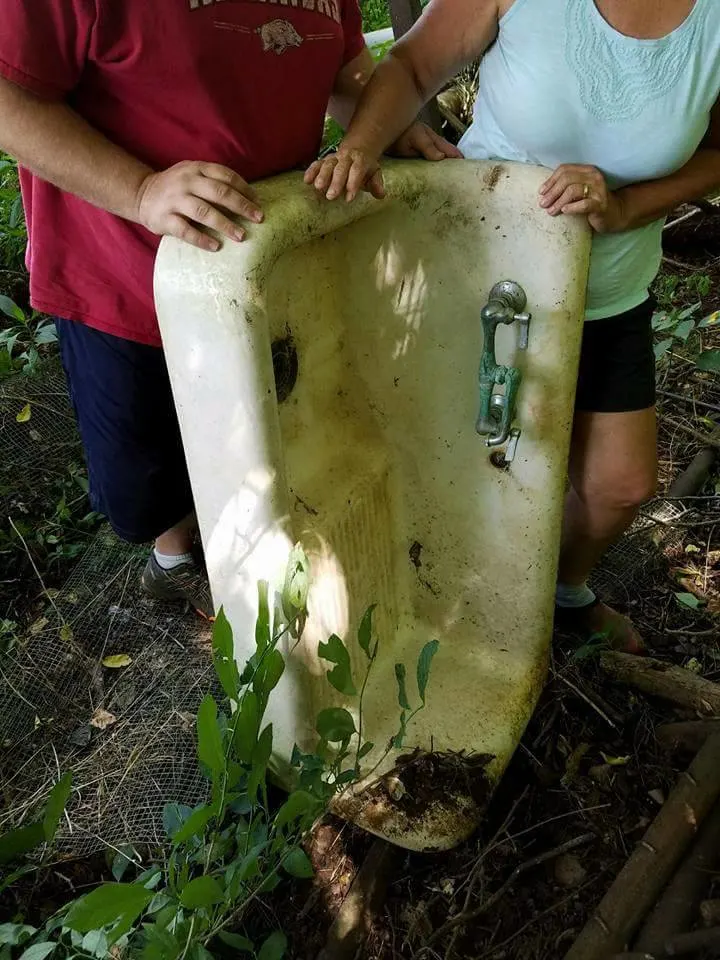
point(560, 85)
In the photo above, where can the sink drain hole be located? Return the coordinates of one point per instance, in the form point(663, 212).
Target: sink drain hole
point(285, 367)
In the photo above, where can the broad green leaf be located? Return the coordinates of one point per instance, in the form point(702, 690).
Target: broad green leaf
point(365, 750)
point(121, 861)
point(340, 677)
point(399, 738)
point(268, 675)
point(11, 309)
point(297, 864)
point(237, 942)
point(198, 952)
point(335, 725)
point(270, 883)
point(195, 825)
point(210, 749)
point(262, 624)
point(96, 943)
point(709, 361)
point(160, 944)
point(24, 414)
point(38, 951)
point(348, 776)
point(15, 934)
point(660, 349)
point(260, 759)
point(684, 329)
point(106, 904)
point(365, 632)
point(689, 311)
point(46, 333)
point(297, 805)
point(16, 213)
point(201, 892)
point(117, 661)
point(712, 321)
point(55, 807)
point(274, 947)
point(224, 657)
point(663, 321)
point(688, 600)
point(174, 816)
point(423, 666)
point(401, 677)
point(222, 638)
point(18, 842)
point(247, 724)
point(297, 583)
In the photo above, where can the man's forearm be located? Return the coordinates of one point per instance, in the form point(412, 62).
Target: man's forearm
point(57, 145)
point(645, 202)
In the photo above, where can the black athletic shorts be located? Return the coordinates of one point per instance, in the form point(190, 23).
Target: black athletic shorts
point(617, 363)
point(126, 415)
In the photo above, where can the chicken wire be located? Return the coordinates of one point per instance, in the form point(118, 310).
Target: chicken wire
point(37, 428)
point(127, 733)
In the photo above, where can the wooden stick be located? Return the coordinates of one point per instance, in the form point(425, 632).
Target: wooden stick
point(706, 439)
point(663, 680)
point(692, 401)
point(640, 882)
point(710, 913)
point(677, 908)
point(352, 924)
point(694, 478)
point(686, 737)
point(688, 944)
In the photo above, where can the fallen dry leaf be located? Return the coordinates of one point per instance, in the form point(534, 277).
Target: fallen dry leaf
point(101, 719)
point(38, 626)
point(117, 661)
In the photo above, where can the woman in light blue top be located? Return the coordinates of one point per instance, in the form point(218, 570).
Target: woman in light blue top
point(620, 99)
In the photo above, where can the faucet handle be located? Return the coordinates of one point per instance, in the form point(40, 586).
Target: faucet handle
point(523, 321)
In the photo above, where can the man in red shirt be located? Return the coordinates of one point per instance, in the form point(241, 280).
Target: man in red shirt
point(143, 118)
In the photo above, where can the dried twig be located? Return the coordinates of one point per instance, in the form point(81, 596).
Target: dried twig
point(663, 680)
point(466, 916)
point(638, 885)
point(678, 906)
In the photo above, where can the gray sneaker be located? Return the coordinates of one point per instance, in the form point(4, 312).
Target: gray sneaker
point(187, 582)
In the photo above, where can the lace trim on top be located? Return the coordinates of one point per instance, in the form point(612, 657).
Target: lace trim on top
point(619, 76)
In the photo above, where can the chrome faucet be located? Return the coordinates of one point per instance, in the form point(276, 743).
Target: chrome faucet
point(506, 304)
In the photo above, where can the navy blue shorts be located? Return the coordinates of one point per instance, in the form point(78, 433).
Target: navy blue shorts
point(126, 415)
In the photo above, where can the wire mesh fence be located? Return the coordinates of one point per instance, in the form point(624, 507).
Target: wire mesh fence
point(125, 726)
point(126, 730)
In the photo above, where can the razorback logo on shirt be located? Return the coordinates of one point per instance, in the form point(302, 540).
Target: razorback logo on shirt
point(329, 8)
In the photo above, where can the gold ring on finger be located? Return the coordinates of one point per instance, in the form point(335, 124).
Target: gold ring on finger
point(586, 191)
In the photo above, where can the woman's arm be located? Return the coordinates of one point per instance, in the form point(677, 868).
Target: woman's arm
point(416, 141)
point(450, 34)
point(640, 203)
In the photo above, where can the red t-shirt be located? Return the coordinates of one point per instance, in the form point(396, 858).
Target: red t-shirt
point(244, 83)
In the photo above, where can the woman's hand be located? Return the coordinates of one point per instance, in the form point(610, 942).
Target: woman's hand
point(579, 189)
point(420, 141)
point(351, 170)
point(180, 201)
point(348, 171)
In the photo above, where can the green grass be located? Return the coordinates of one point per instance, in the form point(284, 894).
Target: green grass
point(376, 14)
